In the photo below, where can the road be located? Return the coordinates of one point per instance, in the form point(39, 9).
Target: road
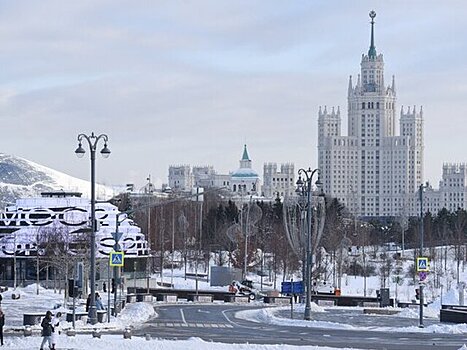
point(217, 323)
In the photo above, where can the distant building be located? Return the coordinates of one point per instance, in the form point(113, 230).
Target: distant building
point(180, 178)
point(452, 192)
point(276, 182)
point(372, 171)
point(245, 180)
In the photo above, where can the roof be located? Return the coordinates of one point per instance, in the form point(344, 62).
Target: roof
point(245, 172)
point(245, 154)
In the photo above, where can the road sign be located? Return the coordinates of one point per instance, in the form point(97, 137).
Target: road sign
point(422, 276)
point(117, 235)
point(116, 258)
point(422, 264)
point(288, 287)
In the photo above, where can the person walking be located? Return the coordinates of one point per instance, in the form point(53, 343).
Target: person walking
point(99, 305)
point(47, 330)
point(55, 323)
point(2, 323)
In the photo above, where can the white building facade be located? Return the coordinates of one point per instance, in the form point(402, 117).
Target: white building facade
point(180, 178)
point(372, 171)
point(452, 192)
point(276, 182)
point(245, 180)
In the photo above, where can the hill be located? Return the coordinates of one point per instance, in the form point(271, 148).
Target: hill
point(21, 178)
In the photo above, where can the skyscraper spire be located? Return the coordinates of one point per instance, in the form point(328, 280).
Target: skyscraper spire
point(372, 50)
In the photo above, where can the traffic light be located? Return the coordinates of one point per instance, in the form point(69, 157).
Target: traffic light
point(71, 288)
point(417, 294)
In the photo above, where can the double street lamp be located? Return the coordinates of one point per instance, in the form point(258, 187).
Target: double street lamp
point(422, 302)
point(92, 141)
point(304, 190)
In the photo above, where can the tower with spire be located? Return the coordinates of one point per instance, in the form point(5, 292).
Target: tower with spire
point(245, 180)
point(372, 171)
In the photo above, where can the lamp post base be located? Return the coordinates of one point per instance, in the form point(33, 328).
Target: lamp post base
point(307, 316)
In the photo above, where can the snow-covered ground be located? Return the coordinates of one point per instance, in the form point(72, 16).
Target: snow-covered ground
point(137, 313)
point(269, 315)
point(114, 342)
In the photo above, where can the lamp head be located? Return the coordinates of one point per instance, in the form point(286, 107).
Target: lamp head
point(319, 183)
point(299, 182)
point(80, 151)
point(105, 151)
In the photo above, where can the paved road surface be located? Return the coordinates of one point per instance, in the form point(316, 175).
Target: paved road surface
point(217, 322)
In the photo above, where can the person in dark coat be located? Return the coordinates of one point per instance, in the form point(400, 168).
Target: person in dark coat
point(2, 323)
point(88, 302)
point(47, 330)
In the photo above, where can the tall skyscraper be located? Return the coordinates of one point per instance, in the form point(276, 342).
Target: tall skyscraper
point(372, 171)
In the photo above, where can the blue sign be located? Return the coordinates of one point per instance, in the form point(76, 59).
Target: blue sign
point(116, 258)
point(422, 264)
point(292, 287)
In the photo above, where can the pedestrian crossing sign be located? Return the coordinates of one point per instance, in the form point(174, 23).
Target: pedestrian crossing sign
point(422, 264)
point(116, 258)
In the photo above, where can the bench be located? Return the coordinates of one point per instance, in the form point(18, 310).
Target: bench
point(83, 316)
point(33, 318)
point(131, 298)
point(276, 300)
point(454, 307)
point(144, 297)
point(78, 316)
point(380, 311)
point(453, 315)
point(236, 298)
point(370, 304)
point(168, 298)
point(326, 303)
point(200, 298)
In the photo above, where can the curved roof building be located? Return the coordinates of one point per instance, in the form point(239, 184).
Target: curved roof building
point(245, 180)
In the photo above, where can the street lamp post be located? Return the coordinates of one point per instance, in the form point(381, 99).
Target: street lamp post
point(422, 186)
point(93, 140)
point(304, 188)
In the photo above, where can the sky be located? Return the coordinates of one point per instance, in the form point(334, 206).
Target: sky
point(190, 82)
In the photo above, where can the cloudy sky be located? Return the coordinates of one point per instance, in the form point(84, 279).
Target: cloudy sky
point(189, 82)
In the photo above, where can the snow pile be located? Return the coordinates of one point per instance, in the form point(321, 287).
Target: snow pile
point(268, 316)
point(449, 298)
point(464, 347)
point(408, 313)
point(136, 313)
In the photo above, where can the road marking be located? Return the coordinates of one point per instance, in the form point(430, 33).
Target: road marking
point(193, 325)
point(183, 316)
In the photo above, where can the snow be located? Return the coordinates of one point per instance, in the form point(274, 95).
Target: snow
point(116, 342)
point(135, 314)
